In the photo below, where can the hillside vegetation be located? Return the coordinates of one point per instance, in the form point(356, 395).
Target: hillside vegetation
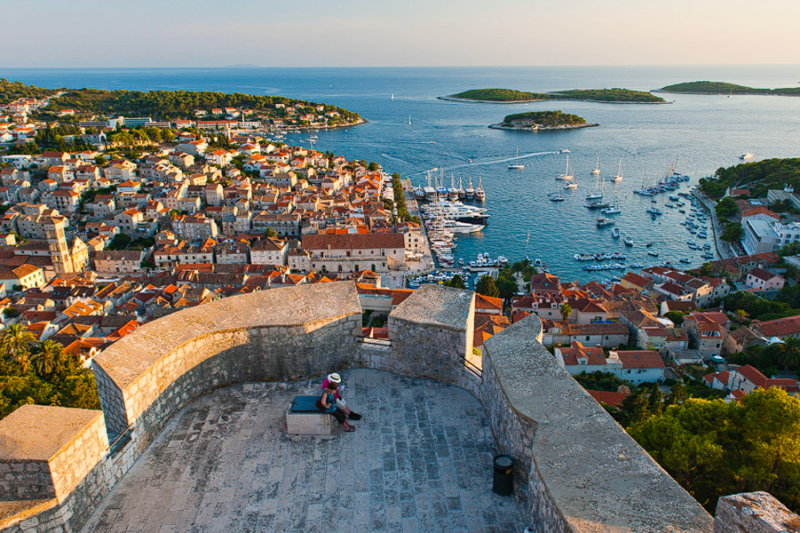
point(500, 95)
point(759, 177)
point(544, 118)
point(159, 105)
point(721, 87)
point(11, 90)
point(596, 95)
point(609, 95)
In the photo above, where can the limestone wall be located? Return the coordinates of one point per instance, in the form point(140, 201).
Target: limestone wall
point(431, 335)
point(269, 335)
point(579, 470)
point(754, 512)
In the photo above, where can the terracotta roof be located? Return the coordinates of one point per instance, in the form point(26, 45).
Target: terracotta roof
point(354, 241)
point(487, 302)
point(780, 327)
point(640, 359)
point(577, 351)
point(636, 279)
point(614, 399)
point(762, 274)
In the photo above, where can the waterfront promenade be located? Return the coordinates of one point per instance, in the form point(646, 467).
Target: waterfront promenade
point(724, 249)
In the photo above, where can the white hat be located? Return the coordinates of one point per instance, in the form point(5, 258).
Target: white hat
point(334, 378)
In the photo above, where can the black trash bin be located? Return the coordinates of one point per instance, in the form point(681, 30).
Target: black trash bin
point(503, 475)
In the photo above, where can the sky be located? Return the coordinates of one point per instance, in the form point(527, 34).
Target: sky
point(206, 33)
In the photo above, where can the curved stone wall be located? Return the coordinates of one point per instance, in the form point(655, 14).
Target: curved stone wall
point(280, 334)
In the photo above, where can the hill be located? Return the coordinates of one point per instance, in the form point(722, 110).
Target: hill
point(510, 96)
point(159, 105)
point(721, 87)
point(499, 95)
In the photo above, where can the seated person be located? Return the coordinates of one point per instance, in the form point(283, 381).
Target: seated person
point(340, 403)
point(327, 404)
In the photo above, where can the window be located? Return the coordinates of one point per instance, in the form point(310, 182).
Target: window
point(587, 337)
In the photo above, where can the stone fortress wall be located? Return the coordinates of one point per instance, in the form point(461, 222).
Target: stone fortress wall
point(576, 469)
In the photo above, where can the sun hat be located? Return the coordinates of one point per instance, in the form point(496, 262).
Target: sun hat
point(334, 378)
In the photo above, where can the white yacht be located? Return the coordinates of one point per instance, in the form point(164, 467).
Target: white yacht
point(516, 165)
point(628, 241)
point(461, 192)
point(615, 233)
point(745, 157)
point(480, 194)
point(452, 192)
point(470, 192)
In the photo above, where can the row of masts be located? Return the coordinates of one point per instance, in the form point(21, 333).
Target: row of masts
point(453, 193)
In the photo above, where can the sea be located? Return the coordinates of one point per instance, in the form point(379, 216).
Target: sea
point(411, 132)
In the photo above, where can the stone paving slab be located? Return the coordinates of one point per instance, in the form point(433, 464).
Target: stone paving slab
point(420, 461)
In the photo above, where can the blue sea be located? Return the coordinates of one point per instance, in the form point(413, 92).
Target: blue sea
point(415, 133)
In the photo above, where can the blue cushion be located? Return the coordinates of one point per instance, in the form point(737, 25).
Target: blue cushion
point(305, 404)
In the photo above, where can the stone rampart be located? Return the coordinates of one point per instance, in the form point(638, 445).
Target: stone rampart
point(578, 469)
point(754, 512)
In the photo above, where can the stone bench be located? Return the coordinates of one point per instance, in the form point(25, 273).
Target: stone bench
point(303, 417)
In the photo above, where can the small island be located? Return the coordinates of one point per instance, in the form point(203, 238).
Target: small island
point(510, 96)
point(536, 121)
point(728, 89)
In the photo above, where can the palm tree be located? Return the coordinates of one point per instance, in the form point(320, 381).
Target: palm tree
point(742, 314)
point(790, 352)
point(48, 357)
point(16, 343)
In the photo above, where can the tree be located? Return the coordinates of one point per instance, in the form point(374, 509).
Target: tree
point(16, 343)
point(457, 282)
point(487, 287)
point(633, 410)
point(675, 316)
point(507, 286)
point(706, 269)
point(726, 208)
point(677, 394)
point(741, 314)
point(713, 448)
point(790, 352)
point(654, 403)
point(47, 358)
point(733, 232)
point(566, 311)
point(270, 233)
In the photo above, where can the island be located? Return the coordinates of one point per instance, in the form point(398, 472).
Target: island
point(74, 105)
point(510, 96)
point(723, 88)
point(536, 121)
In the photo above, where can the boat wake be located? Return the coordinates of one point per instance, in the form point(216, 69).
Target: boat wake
point(489, 162)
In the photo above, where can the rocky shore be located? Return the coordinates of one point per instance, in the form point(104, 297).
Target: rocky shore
point(537, 129)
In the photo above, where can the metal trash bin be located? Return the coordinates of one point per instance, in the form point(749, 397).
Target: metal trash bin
point(503, 475)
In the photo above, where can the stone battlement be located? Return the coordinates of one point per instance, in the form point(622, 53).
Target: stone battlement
point(576, 469)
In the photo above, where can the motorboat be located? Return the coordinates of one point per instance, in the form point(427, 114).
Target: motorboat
point(654, 254)
point(628, 241)
point(480, 194)
point(615, 233)
point(603, 222)
point(745, 157)
point(571, 185)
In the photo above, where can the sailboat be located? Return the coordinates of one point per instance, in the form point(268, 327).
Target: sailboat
point(596, 170)
point(614, 209)
point(516, 165)
point(461, 192)
point(452, 192)
point(572, 184)
point(618, 177)
point(556, 197)
point(597, 194)
point(567, 175)
point(480, 194)
point(409, 120)
point(392, 97)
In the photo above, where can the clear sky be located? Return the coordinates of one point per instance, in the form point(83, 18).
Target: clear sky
point(204, 33)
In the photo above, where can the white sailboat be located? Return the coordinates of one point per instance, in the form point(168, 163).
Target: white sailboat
point(613, 209)
point(461, 192)
point(596, 170)
point(392, 97)
point(556, 196)
point(409, 120)
point(516, 165)
point(568, 175)
point(598, 193)
point(618, 177)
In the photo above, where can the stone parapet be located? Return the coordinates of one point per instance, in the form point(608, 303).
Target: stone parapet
point(579, 470)
point(754, 512)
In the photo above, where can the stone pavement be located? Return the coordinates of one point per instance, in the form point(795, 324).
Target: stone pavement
point(420, 461)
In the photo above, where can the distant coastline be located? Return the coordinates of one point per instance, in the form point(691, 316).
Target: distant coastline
point(721, 88)
point(511, 96)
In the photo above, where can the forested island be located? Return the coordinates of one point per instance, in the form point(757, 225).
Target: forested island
point(165, 105)
point(721, 87)
point(510, 96)
point(542, 121)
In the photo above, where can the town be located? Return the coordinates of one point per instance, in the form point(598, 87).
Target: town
point(97, 243)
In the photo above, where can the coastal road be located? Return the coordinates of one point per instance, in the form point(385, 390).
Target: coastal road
point(724, 249)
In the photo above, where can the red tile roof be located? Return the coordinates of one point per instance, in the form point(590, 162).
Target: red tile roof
point(640, 359)
point(614, 399)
